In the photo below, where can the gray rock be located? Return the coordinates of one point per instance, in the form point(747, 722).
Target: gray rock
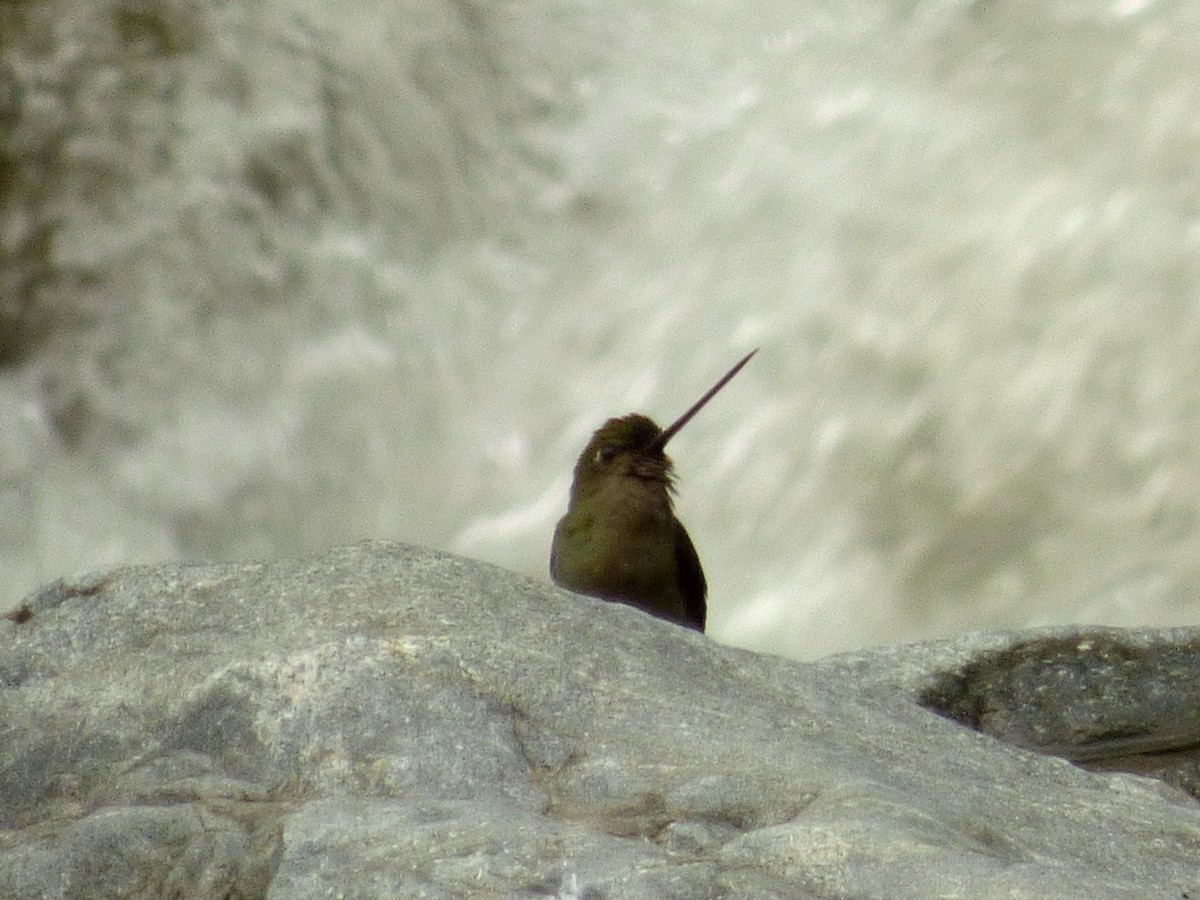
point(388, 721)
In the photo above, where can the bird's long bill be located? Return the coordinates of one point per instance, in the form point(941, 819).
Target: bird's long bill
point(669, 432)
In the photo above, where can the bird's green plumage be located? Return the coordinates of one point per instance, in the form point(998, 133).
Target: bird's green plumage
point(620, 539)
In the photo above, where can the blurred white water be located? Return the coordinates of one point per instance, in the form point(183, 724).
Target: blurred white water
point(339, 271)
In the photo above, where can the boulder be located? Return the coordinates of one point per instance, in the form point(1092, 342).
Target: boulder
point(384, 720)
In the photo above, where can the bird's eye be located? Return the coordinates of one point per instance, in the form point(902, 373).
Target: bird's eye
point(606, 453)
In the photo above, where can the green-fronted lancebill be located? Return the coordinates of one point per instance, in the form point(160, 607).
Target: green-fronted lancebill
point(620, 539)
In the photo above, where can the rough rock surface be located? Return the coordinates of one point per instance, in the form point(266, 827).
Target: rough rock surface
point(388, 721)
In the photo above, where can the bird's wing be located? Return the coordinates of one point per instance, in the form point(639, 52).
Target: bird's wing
point(691, 578)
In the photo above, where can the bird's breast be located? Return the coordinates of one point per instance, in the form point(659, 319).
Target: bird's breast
point(616, 549)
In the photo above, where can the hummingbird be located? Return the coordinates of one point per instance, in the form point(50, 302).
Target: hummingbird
point(620, 539)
